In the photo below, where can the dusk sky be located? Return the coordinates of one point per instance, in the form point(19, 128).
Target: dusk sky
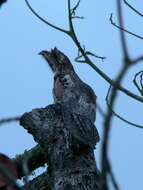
point(26, 80)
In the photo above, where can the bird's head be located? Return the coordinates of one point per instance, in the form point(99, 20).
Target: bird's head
point(57, 60)
point(49, 58)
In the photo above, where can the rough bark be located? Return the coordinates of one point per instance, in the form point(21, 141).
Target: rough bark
point(35, 158)
point(40, 183)
point(70, 159)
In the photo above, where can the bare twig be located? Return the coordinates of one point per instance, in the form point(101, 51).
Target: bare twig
point(94, 55)
point(113, 179)
point(111, 175)
point(132, 8)
point(78, 17)
point(43, 20)
point(125, 30)
point(138, 59)
point(10, 119)
point(73, 11)
point(122, 34)
point(118, 116)
point(100, 110)
point(76, 6)
point(141, 82)
point(80, 57)
point(136, 83)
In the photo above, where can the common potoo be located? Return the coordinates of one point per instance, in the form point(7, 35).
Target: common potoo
point(69, 90)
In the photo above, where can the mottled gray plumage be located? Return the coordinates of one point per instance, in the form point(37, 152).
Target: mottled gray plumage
point(70, 91)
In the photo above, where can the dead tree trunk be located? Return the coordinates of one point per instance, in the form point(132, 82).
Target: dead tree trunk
point(71, 161)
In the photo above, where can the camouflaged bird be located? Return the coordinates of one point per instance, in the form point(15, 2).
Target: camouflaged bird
point(69, 90)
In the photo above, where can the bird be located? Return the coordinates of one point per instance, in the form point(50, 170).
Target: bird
point(69, 90)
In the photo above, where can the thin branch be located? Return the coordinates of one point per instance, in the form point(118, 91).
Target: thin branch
point(77, 17)
point(123, 29)
point(113, 179)
point(76, 6)
point(122, 34)
point(132, 8)
point(80, 60)
point(73, 11)
point(141, 82)
point(136, 83)
point(74, 37)
point(43, 20)
point(118, 116)
point(94, 55)
point(100, 110)
point(112, 175)
point(138, 59)
point(10, 119)
point(126, 121)
point(112, 82)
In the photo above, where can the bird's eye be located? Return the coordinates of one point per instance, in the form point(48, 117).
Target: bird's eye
point(64, 80)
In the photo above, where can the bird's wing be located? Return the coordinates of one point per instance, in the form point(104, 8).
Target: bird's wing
point(85, 130)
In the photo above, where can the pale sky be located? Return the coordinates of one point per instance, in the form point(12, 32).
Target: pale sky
point(26, 81)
